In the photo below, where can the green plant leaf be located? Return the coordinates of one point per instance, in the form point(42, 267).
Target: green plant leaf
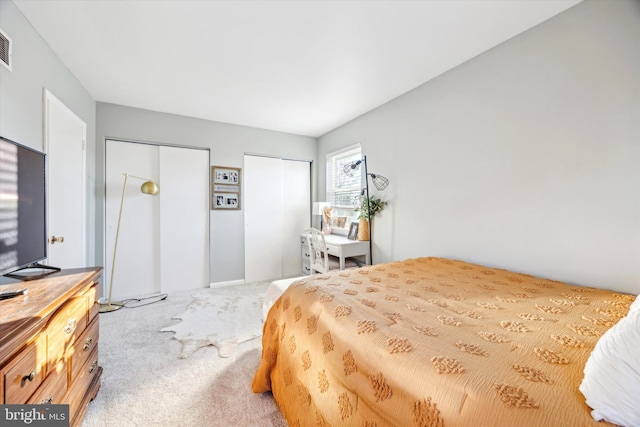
point(371, 205)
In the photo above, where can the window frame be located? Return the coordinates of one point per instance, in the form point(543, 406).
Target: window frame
point(336, 181)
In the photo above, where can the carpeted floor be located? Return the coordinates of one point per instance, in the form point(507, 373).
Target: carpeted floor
point(145, 383)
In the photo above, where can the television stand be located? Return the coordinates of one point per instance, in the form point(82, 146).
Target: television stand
point(35, 265)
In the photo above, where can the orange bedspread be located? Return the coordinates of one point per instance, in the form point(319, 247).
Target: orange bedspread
point(431, 342)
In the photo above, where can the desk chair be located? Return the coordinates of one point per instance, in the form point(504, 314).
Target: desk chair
point(318, 254)
point(320, 261)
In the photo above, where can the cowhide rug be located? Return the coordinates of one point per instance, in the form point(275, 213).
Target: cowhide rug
point(223, 317)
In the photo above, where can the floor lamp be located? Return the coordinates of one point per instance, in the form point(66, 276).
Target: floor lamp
point(379, 181)
point(148, 187)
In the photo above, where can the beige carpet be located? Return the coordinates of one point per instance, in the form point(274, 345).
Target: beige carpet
point(222, 317)
point(145, 383)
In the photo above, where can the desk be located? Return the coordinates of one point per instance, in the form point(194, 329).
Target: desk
point(338, 246)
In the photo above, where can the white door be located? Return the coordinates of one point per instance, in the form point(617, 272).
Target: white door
point(163, 243)
point(65, 145)
point(184, 221)
point(135, 270)
point(263, 218)
point(277, 210)
point(296, 212)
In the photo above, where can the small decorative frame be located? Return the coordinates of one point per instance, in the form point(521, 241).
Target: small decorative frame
point(225, 186)
point(353, 231)
point(339, 221)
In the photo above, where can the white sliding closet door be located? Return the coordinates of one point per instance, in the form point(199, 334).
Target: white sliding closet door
point(163, 244)
point(277, 200)
point(135, 271)
point(262, 218)
point(184, 221)
point(296, 212)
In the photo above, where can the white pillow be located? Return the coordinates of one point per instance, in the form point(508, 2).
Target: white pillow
point(635, 306)
point(611, 383)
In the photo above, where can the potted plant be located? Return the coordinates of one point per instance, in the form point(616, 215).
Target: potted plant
point(369, 207)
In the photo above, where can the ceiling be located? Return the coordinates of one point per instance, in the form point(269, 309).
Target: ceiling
point(303, 67)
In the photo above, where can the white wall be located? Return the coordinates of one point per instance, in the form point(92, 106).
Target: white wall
point(228, 144)
point(36, 67)
point(526, 157)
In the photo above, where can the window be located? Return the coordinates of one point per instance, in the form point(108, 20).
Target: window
point(342, 190)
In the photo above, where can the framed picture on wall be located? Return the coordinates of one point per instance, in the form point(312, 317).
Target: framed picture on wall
point(222, 175)
point(225, 187)
point(226, 201)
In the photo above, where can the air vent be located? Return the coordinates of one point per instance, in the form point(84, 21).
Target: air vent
point(5, 50)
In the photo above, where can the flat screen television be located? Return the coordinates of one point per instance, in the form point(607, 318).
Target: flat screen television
point(23, 217)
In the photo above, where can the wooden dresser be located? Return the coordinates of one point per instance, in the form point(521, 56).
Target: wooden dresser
point(49, 341)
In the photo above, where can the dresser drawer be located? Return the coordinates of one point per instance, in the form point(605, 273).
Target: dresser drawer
point(53, 388)
point(24, 374)
point(333, 250)
point(304, 253)
point(92, 299)
point(83, 348)
point(79, 387)
point(306, 268)
point(65, 327)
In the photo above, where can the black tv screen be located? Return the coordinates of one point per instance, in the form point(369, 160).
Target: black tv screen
point(23, 238)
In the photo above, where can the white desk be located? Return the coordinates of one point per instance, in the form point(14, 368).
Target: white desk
point(338, 246)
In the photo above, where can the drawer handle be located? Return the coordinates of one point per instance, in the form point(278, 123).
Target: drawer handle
point(87, 344)
point(94, 366)
point(48, 400)
point(30, 377)
point(71, 326)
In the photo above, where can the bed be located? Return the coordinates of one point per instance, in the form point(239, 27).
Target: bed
point(434, 342)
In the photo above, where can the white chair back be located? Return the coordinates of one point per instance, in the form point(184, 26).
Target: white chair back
point(318, 255)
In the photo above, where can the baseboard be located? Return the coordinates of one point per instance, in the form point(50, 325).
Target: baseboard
point(229, 283)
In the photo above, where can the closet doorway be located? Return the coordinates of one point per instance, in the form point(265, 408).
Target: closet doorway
point(163, 243)
point(277, 202)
